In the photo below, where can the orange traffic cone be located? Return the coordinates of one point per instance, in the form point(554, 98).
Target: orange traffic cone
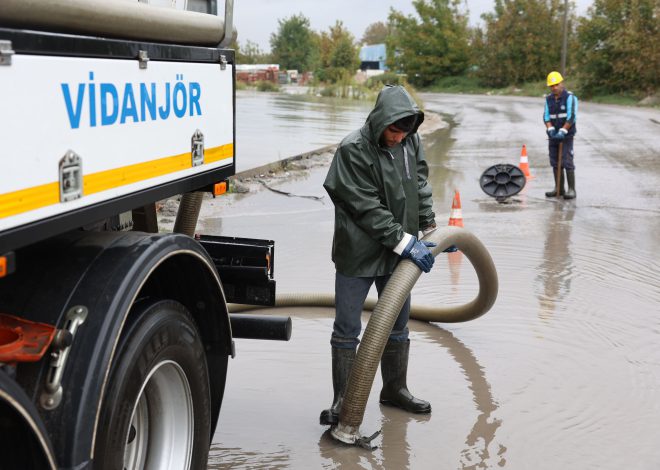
point(524, 163)
point(456, 216)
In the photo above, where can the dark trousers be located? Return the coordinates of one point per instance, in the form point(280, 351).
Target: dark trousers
point(350, 294)
point(566, 153)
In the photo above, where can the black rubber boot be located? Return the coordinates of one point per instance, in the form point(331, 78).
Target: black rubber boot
point(394, 368)
point(553, 192)
point(342, 362)
point(570, 177)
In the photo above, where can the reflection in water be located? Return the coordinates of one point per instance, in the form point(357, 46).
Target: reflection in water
point(348, 457)
point(454, 261)
point(395, 443)
point(555, 271)
point(477, 453)
point(240, 458)
point(395, 450)
point(444, 180)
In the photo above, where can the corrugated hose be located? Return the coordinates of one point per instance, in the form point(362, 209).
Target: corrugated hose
point(385, 312)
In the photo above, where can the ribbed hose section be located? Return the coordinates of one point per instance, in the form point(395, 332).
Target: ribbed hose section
point(188, 213)
point(387, 309)
point(385, 312)
point(476, 252)
point(373, 343)
point(468, 244)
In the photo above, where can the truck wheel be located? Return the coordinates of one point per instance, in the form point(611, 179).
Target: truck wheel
point(156, 411)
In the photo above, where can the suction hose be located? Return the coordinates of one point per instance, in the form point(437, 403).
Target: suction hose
point(385, 312)
point(464, 240)
point(188, 213)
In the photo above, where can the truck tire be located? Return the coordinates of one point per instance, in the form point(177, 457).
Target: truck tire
point(156, 411)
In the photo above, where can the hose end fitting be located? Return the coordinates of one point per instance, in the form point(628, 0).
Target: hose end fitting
point(351, 435)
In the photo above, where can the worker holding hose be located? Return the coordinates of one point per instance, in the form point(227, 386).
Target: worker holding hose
point(378, 184)
point(559, 116)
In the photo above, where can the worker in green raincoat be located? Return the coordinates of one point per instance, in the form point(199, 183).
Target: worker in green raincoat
point(378, 184)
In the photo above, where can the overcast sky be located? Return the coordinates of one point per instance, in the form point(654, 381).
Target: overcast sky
point(256, 19)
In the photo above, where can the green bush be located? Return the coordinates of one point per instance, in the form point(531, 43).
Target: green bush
point(458, 84)
point(387, 78)
point(348, 90)
point(265, 85)
point(328, 91)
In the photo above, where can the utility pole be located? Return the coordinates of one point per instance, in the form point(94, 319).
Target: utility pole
point(564, 42)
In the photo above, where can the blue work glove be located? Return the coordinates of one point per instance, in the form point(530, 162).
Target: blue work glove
point(419, 253)
point(561, 134)
point(451, 249)
point(551, 132)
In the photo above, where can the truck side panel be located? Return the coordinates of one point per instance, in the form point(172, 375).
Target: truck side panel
point(131, 129)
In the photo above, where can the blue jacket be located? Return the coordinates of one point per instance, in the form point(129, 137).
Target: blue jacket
point(560, 111)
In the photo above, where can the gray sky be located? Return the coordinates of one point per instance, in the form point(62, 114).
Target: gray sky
point(257, 19)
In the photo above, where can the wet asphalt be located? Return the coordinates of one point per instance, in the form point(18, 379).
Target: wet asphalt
point(562, 373)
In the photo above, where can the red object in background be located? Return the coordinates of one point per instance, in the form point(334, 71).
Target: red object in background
point(23, 340)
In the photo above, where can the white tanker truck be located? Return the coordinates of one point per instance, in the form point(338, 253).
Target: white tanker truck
point(114, 338)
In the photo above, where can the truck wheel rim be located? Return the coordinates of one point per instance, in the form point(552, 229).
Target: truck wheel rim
point(162, 424)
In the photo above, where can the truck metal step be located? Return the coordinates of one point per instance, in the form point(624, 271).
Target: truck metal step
point(246, 267)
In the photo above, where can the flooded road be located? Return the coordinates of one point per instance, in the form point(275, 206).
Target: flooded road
point(274, 126)
point(562, 373)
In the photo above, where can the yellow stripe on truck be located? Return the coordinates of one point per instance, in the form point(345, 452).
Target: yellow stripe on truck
point(24, 200)
point(29, 199)
point(216, 154)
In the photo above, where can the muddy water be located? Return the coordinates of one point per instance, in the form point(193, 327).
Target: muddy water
point(562, 373)
point(273, 126)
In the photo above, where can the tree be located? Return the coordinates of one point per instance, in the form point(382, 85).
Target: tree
point(293, 46)
point(431, 47)
point(619, 47)
point(338, 54)
point(250, 53)
point(376, 33)
point(522, 41)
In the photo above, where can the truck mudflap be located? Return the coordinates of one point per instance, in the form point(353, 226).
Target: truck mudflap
point(24, 443)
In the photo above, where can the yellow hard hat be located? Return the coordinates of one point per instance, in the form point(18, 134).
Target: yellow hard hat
point(554, 78)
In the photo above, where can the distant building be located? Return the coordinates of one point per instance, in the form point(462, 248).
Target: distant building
point(372, 57)
point(250, 73)
point(287, 77)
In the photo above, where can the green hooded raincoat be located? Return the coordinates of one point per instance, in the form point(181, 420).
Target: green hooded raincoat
point(378, 195)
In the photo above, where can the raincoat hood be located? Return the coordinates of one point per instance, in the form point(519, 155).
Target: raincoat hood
point(380, 193)
point(392, 104)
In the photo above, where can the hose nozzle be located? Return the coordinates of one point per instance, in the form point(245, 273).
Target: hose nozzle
point(351, 435)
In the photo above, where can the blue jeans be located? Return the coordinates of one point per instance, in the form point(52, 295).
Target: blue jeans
point(350, 294)
point(567, 161)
